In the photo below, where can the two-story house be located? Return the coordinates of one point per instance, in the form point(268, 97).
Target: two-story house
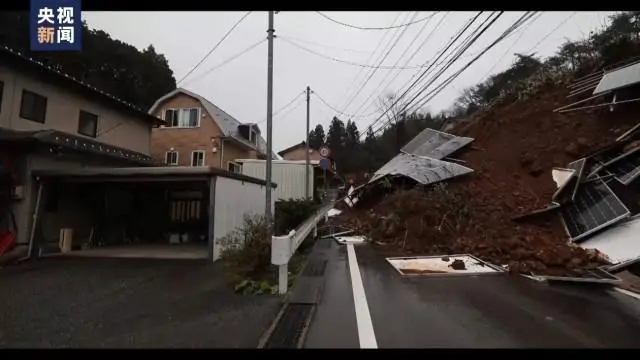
point(196, 132)
point(49, 120)
point(297, 153)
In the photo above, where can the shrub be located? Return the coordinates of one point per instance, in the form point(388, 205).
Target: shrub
point(246, 252)
point(291, 213)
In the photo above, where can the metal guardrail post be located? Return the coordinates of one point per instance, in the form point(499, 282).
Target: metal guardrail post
point(283, 247)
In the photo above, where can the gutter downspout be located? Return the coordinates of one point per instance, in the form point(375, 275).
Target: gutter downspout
point(222, 153)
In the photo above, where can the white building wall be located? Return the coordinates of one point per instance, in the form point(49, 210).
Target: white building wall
point(234, 199)
point(289, 176)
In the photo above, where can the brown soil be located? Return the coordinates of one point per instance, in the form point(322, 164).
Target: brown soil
point(515, 148)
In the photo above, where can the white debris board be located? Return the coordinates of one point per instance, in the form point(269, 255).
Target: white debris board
point(441, 265)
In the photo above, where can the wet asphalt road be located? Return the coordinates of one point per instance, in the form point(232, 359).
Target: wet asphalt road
point(488, 311)
point(127, 303)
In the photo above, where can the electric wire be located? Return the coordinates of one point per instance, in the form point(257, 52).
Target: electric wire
point(215, 46)
point(374, 28)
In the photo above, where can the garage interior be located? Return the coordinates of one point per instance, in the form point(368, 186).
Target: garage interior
point(143, 213)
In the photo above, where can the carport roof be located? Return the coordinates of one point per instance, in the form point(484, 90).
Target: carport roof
point(132, 172)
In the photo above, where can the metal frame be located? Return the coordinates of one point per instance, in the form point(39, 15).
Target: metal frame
point(613, 280)
point(614, 102)
point(499, 270)
point(607, 224)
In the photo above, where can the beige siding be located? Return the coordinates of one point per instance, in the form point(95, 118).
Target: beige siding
point(299, 154)
point(184, 141)
point(63, 107)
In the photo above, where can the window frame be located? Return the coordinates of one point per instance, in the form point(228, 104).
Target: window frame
point(239, 166)
point(95, 130)
point(166, 157)
point(22, 109)
point(194, 152)
point(1, 93)
point(178, 111)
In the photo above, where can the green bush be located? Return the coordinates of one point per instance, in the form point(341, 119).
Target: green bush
point(246, 252)
point(291, 213)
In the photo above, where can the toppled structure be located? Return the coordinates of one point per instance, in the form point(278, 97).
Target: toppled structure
point(513, 146)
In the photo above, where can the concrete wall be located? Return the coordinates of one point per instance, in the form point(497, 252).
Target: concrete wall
point(234, 199)
point(63, 107)
point(186, 140)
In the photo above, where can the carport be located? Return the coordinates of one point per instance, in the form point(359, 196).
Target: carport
point(155, 212)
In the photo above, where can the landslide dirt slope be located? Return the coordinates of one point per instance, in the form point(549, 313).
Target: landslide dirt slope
point(515, 148)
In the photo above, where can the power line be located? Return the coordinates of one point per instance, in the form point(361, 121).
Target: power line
point(227, 61)
point(415, 52)
point(353, 63)
point(384, 57)
point(374, 28)
point(379, 45)
point(294, 39)
point(431, 63)
point(525, 17)
point(427, 97)
point(515, 42)
point(458, 52)
point(284, 106)
point(215, 46)
point(323, 101)
point(552, 31)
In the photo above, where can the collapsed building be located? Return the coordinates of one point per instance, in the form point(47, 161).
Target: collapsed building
point(595, 195)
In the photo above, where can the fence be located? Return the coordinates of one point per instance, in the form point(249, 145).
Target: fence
point(284, 247)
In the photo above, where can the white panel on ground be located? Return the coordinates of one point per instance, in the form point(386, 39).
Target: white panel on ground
point(619, 243)
point(442, 265)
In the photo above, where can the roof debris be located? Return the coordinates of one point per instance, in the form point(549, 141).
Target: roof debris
point(586, 197)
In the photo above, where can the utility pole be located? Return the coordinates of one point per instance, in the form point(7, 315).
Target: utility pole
point(267, 211)
point(306, 174)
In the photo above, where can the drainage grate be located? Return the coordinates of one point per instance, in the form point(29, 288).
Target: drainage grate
point(315, 267)
point(290, 327)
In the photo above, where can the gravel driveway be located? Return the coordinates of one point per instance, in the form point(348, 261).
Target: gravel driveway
point(130, 303)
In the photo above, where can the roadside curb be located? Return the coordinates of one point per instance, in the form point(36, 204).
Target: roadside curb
point(286, 301)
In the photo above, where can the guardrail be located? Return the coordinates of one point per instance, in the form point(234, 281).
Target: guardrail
point(283, 247)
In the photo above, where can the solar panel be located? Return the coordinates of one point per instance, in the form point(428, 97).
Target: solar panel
point(618, 79)
point(627, 168)
point(567, 192)
point(435, 144)
point(595, 207)
point(421, 169)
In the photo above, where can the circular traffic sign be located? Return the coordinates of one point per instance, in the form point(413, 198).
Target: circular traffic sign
point(324, 151)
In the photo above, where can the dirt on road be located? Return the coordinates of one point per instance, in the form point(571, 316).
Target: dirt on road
point(515, 148)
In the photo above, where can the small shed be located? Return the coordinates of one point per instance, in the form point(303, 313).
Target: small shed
point(143, 206)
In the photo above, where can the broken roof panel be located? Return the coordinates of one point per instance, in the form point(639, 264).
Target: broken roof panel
point(620, 243)
point(596, 206)
point(420, 168)
point(618, 79)
point(435, 144)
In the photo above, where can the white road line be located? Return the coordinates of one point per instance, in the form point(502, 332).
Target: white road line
point(627, 292)
point(363, 318)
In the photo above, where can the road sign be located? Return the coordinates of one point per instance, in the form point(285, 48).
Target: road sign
point(324, 151)
point(325, 163)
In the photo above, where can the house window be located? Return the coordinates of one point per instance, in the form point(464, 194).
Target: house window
point(197, 158)
point(253, 136)
point(182, 118)
point(171, 158)
point(1, 93)
point(33, 106)
point(87, 124)
point(235, 167)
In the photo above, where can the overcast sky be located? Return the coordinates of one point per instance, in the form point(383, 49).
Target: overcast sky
point(239, 86)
